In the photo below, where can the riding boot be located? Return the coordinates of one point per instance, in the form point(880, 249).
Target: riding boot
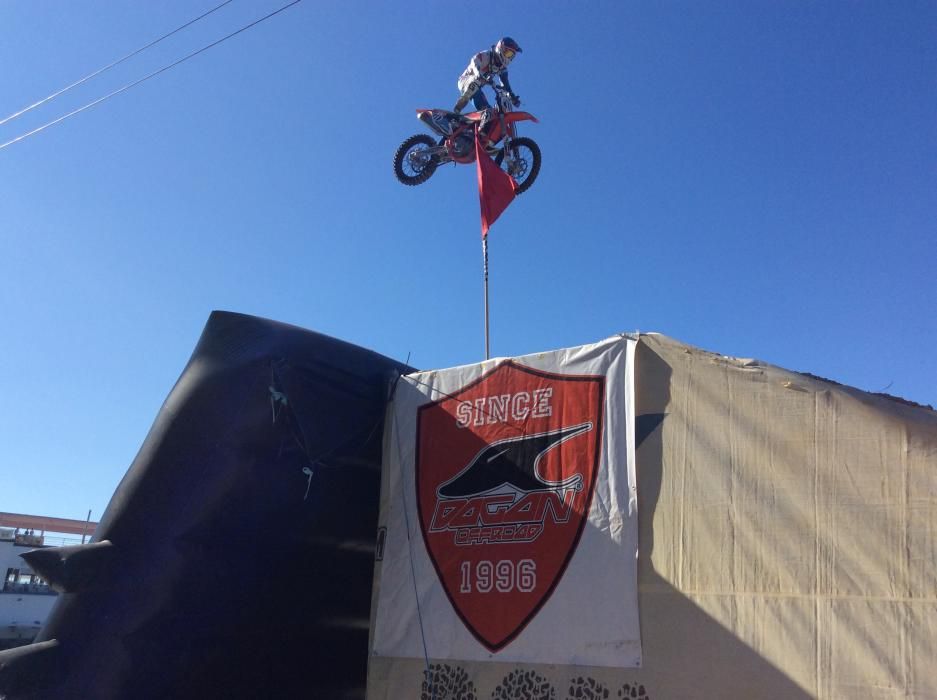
point(485, 121)
point(484, 127)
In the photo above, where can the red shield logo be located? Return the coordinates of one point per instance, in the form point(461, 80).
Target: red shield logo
point(505, 470)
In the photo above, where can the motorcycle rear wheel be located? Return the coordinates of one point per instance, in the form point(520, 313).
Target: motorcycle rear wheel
point(412, 165)
point(526, 165)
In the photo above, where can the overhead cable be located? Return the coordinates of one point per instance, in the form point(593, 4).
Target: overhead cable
point(145, 77)
point(110, 65)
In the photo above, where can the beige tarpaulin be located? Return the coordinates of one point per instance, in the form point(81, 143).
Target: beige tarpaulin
point(788, 546)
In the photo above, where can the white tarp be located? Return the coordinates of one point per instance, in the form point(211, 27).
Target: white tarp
point(510, 512)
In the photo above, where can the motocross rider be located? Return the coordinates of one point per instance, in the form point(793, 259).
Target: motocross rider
point(481, 69)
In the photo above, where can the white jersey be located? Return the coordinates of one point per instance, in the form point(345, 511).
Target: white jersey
point(479, 69)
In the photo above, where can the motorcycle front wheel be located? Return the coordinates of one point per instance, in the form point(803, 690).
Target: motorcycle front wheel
point(523, 163)
point(413, 164)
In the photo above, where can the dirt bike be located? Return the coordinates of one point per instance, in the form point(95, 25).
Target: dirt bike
point(419, 156)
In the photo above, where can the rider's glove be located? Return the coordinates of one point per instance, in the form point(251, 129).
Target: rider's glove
point(515, 100)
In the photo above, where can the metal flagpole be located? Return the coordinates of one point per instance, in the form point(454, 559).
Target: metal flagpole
point(485, 256)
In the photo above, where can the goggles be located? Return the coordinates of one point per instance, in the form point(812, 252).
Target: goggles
point(507, 54)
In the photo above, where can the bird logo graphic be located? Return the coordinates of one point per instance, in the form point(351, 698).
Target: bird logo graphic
point(512, 463)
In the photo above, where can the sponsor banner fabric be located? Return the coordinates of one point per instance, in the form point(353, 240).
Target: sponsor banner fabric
point(510, 512)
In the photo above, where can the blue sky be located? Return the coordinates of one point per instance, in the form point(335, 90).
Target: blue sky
point(755, 178)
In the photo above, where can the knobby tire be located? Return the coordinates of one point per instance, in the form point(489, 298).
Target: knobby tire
point(400, 157)
point(534, 167)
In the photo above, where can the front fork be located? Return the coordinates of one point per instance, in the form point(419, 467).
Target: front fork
point(510, 133)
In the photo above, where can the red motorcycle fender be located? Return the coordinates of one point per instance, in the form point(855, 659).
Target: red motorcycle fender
point(520, 117)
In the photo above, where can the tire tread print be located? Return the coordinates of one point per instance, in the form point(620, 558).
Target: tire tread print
point(587, 688)
point(524, 685)
point(445, 682)
point(632, 692)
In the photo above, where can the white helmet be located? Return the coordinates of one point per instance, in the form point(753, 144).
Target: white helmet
point(505, 50)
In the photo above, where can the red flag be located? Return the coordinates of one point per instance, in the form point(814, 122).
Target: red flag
point(495, 187)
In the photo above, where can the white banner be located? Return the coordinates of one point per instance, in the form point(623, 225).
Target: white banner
point(510, 513)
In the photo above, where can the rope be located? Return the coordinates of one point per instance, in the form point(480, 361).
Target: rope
point(406, 515)
point(110, 65)
point(146, 77)
point(295, 426)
